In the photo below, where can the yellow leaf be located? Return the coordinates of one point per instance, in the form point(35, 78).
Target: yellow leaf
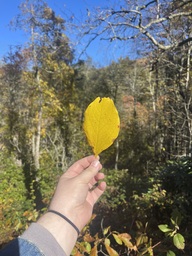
point(125, 238)
point(117, 239)
point(109, 249)
point(94, 251)
point(101, 124)
point(106, 230)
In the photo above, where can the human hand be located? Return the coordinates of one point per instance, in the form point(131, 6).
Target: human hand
point(75, 194)
point(74, 197)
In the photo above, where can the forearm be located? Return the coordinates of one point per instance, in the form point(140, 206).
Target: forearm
point(36, 240)
point(43, 239)
point(61, 230)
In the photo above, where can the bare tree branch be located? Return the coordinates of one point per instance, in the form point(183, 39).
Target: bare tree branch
point(152, 20)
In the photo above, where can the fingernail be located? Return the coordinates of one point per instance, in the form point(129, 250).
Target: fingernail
point(95, 163)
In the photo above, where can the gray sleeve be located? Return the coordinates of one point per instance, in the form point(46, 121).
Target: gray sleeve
point(43, 239)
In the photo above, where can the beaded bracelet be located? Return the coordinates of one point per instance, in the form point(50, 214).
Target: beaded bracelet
point(65, 218)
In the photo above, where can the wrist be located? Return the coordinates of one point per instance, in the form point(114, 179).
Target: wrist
point(63, 231)
point(66, 219)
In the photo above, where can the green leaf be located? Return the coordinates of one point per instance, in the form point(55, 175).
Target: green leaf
point(164, 228)
point(179, 241)
point(139, 225)
point(176, 218)
point(87, 247)
point(170, 253)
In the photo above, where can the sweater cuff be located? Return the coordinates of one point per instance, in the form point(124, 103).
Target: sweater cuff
point(43, 239)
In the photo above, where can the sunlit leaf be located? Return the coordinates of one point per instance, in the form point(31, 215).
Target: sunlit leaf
point(78, 254)
point(87, 247)
point(170, 253)
point(101, 124)
point(125, 238)
point(164, 228)
point(117, 239)
point(94, 251)
point(179, 241)
point(109, 249)
point(106, 230)
point(88, 238)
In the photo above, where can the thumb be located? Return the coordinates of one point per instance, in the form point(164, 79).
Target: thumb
point(91, 171)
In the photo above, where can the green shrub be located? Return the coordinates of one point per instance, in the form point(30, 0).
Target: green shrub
point(15, 208)
point(115, 194)
point(177, 181)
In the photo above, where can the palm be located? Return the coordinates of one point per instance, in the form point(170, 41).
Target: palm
point(77, 192)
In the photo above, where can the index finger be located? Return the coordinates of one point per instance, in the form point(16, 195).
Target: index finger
point(80, 166)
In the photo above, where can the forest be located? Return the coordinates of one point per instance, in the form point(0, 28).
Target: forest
point(147, 207)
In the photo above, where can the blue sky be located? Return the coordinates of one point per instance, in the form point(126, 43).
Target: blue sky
point(102, 53)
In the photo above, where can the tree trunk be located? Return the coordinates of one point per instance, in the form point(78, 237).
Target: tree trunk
point(187, 104)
